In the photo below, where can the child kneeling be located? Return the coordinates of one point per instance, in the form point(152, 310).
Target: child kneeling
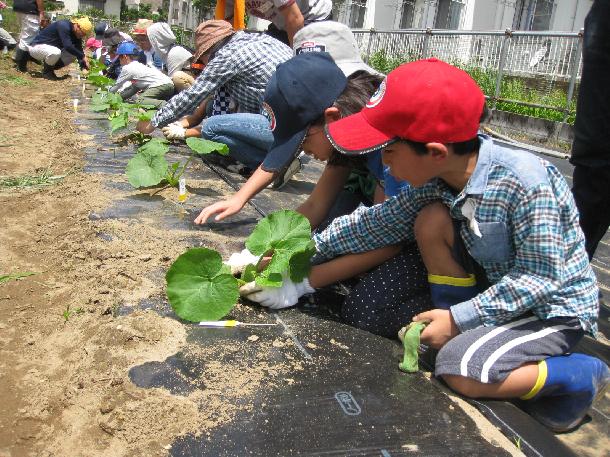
point(154, 87)
point(498, 232)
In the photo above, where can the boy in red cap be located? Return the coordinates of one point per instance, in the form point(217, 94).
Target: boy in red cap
point(498, 231)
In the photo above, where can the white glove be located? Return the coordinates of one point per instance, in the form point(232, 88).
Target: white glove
point(277, 297)
point(239, 260)
point(174, 131)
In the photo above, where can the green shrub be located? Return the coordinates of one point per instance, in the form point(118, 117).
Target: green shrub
point(512, 88)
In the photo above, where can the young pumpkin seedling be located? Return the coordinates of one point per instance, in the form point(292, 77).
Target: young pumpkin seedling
point(201, 288)
point(150, 168)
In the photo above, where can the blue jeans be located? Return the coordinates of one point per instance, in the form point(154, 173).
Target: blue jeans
point(248, 136)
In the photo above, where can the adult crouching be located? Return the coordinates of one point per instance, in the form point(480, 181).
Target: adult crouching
point(59, 44)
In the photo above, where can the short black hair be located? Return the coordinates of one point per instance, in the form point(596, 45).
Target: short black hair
point(360, 86)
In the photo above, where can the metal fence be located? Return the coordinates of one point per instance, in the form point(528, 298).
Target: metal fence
point(539, 70)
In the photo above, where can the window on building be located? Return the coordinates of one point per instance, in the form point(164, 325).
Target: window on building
point(357, 11)
point(87, 4)
point(407, 14)
point(533, 14)
point(449, 14)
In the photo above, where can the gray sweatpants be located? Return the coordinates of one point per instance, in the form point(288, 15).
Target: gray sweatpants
point(489, 354)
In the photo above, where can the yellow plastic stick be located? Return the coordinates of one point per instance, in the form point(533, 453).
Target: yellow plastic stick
point(229, 323)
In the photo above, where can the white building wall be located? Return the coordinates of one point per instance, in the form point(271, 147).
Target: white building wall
point(70, 6)
point(385, 13)
point(569, 15)
point(486, 15)
point(113, 8)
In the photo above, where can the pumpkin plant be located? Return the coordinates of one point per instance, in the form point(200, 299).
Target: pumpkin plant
point(150, 168)
point(201, 288)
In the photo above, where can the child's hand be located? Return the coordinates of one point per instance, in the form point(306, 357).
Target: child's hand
point(145, 127)
point(440, 329)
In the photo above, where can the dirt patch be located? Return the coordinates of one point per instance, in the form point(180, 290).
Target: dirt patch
point(64, 352)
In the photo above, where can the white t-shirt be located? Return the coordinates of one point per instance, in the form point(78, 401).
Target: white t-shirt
point(312, 10)
point(141, 76)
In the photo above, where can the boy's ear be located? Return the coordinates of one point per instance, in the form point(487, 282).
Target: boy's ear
point(331, 114)
point(437, 151)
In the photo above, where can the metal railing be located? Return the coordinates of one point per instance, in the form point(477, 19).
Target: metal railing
point(547, 63)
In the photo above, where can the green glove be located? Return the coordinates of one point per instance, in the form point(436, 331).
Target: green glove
point(410, 342)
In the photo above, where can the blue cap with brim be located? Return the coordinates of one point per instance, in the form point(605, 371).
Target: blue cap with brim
point(297, 95)
point(127, 48)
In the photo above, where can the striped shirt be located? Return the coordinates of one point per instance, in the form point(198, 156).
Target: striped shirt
point(244, 66)
point(521, 226)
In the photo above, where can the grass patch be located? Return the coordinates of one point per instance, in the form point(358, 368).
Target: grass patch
point(15, 276)
point(14, 80)
point(45, 178)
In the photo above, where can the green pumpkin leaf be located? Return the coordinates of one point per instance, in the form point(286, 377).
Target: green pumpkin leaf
point(147, 115)
point(199, 288)
point(284, 225)
point(146, 169)
point(118, 122)
point(100, 80)
point(285, 234)
point(155, 146)
point(201, 146)
point(300, 263)
point(100, 108)
point(249, 273)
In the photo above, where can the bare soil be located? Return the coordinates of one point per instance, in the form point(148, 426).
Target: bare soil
point(64, 352)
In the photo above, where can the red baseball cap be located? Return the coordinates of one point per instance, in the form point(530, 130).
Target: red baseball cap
point(425, 101)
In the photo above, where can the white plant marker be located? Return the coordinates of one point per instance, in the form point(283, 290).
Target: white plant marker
point(182, 189)
point(83, 93)
point(75, 104)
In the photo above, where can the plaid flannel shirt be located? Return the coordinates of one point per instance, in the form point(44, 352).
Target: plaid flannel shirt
point(244, 66)
point(524, 233)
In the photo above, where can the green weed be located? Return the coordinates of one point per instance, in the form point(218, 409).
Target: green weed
point(45, 178)
point(68, 313)
point(14, 80)
point(15, 276)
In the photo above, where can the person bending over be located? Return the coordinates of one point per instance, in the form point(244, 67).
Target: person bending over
point(241, 63)
point(308, 101)
point(61, 43)
point(152, 86)
point(498, 231)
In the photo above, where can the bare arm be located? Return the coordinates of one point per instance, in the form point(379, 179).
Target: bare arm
point(350, 265)
point(257, 182)
point(293, 19)
point(40, 5)
point(324, 194)
point(194, 119)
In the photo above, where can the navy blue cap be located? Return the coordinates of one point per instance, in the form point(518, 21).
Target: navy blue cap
point(297, 94)
point(100, 28)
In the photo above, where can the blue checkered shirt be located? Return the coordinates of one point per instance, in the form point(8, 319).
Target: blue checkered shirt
point(244, 66)
point(524, 233)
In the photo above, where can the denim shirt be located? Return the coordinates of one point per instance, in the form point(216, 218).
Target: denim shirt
point(520, 225)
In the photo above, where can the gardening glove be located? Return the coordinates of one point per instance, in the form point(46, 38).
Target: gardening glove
point(239, 260)
point(174, 131)
point(276, 297)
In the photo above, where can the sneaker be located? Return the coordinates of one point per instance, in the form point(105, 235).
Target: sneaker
point(283, 178)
